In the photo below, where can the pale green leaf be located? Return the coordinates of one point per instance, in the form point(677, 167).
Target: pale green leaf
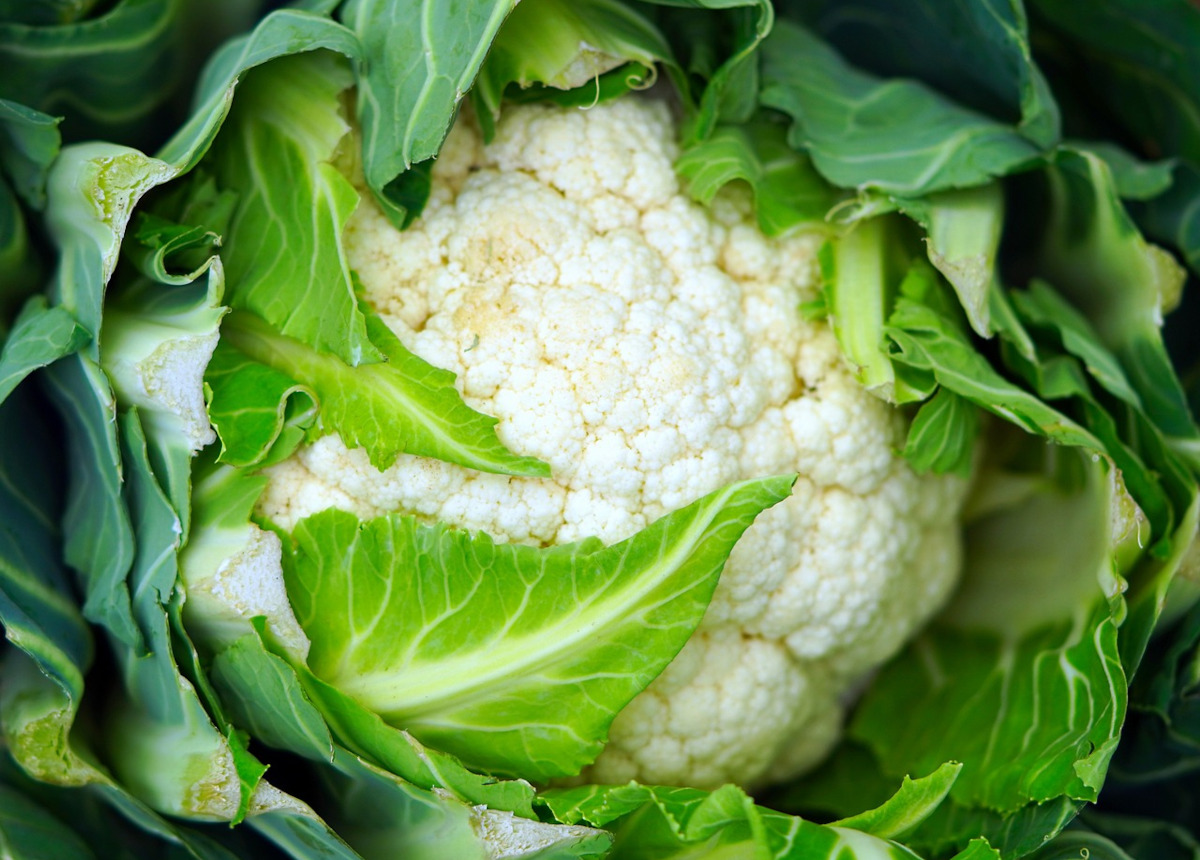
point(514, 658)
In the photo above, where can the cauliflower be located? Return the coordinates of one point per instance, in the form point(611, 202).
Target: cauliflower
point(652, 350)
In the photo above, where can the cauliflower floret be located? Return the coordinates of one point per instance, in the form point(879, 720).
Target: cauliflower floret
point(651, 351)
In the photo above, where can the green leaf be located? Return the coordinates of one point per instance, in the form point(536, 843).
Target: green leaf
point(419, 58)
point(40, 336)
point(1134, 179)
point(92, 189)
point(52, 646)
point(1174, 217)
point(659, 821)
point(978, 54)
point(1095, 256)
point(29, 142)
point(515, 659)
point(161, 741)
point(957, 827)
point(1041, 306)
point(282, 33)
point(1143, 58)
point(894, 135)
point(29, 832)
point(963, 229)
point(1143, 836)
point(98, 534)
point(927, 341)
point(909, 806)
point(365, 734)
point(259, 413)
point(568, 46)
point(173, 253)
point(108, 74)
point(942, 435)
point(787, 191)
point(1021, 678)
point(283, 253)
point(264, 696)
point(723, 52)
point(1076, 843)
point(399, 405)
point(978, 849)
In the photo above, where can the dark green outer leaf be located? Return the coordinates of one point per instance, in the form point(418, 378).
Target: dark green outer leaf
point(29, 142)
point(99, 536)
point(1174, 217)
point(894, 135)
point(976, 53)
point(37, 612)
point(44, 11)
point(1142, 57)
point(1146, 838)
point(107, 74)
point(29, 832)
point(1073, 843)
point(1134, 179)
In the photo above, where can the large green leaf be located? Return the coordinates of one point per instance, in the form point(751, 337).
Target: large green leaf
point(1142, 57)
point(37, 612)
point(29, 141)
point(282, 253)
point(108, 74)
point(514, 658)
point(1022, 678)
point(98, 533)
point(894, 135)
point(976, 53)
point(29, 832)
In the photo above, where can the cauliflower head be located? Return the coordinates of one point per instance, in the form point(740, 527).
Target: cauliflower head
point(652, 350)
